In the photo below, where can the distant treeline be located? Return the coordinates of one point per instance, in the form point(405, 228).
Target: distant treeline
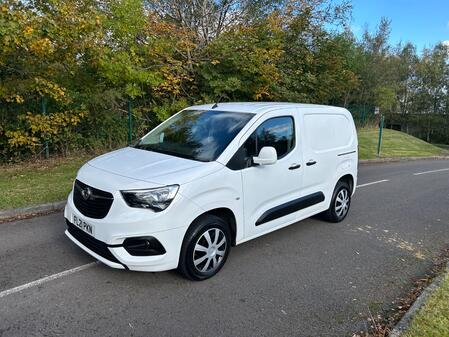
point(69, 69)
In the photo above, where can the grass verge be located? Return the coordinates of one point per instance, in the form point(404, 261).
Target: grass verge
point(394, 144)
point(432, 319)
point(39, 182)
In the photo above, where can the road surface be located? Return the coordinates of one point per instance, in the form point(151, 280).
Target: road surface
point(310, 279)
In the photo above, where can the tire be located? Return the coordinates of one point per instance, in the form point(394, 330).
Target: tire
point(203, 254)
point(340, 203)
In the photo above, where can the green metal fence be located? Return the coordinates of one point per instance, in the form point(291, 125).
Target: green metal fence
point(363, 115)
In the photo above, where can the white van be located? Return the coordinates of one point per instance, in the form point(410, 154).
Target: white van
point(211, 177)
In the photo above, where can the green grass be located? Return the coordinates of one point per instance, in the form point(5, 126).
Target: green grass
point(443, 146)
point(40, 182)
point(432, 320)
point(35, 183)
point(394, 144)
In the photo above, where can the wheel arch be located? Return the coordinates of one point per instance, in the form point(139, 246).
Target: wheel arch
point(227, 215)
point(349, 179)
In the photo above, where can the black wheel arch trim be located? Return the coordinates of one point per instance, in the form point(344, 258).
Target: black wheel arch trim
point(290, 207)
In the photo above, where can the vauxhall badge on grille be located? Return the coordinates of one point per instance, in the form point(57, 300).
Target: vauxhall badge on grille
point(86, 193)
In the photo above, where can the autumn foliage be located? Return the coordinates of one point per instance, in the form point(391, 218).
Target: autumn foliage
point(86, 60)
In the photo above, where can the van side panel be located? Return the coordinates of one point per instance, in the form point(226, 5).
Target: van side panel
point(330, 148)
point(221, 189)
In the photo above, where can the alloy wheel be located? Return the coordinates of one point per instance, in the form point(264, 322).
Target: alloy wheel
point(342, 202)
point(209, 250)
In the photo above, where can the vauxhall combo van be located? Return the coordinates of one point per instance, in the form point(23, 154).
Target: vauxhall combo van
point(209, 178)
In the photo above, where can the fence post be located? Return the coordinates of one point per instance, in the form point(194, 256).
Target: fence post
point(130, 123)
point(44, 112)
point(381, 126)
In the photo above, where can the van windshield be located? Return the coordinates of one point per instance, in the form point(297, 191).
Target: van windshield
point(195, 134)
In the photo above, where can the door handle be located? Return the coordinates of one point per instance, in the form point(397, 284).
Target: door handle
point(294, 166)
point(311, 162)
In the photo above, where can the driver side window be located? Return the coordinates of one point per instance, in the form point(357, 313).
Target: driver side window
point(278, 132)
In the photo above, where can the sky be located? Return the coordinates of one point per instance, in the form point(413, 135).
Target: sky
point(422, 22)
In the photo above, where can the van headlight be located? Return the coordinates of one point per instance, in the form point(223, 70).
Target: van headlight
point(156, 199)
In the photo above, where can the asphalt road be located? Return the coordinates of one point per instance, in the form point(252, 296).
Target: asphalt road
point(310, 279)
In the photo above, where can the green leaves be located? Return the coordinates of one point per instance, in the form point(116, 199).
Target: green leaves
point(165, 55)
point(243, 62)
point(127, 71)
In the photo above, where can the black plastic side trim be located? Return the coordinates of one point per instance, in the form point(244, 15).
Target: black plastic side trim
point(344, 154)
point(290, 207)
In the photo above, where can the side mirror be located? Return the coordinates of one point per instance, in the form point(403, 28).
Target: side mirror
point(267, 156)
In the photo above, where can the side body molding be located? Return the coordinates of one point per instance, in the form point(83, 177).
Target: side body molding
point(290, 207)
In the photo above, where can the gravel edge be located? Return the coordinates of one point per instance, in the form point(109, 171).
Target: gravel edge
point(402, 326)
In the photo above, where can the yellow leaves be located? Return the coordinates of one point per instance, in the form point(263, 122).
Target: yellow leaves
point(75, 120)
point(47, 88)
point(275, 22)
point(215, 62)
point(41, 46)
point(20, 138)
point(41, 127)
point(28, 31)
point(174, 75)
point(14, 98)
point(262, 93)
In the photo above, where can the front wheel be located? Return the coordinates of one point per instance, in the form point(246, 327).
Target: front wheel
point(205, 249)
point(340, 203)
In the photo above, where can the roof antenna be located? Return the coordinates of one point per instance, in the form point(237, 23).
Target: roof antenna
point(219, 100)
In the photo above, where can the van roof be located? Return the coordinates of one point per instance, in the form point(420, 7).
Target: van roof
point(260, 107)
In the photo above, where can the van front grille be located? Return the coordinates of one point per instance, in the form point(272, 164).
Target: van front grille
point(91, 202)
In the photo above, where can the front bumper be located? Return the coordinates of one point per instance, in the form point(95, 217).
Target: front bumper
point(111, 262)
point(116, 256)
point(122, 222)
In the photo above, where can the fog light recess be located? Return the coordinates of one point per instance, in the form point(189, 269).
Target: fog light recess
point(143, 246)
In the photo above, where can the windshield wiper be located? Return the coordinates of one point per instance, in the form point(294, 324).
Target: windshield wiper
point(148, 147)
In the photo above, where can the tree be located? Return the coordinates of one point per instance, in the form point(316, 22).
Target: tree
point(209, 18)
point(432, 84)
point(315, 64)
point(242, 64)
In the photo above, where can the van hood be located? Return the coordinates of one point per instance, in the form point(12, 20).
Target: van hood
point(153, 167)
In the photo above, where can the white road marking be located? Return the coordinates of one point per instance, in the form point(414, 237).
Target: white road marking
point(419, 173)
point(372, 183)
point(46, 279)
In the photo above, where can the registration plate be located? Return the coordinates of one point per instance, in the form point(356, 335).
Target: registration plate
point(83, 225)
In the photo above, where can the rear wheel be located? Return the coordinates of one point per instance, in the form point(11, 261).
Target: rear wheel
point(205, 248)
point(340, 203)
